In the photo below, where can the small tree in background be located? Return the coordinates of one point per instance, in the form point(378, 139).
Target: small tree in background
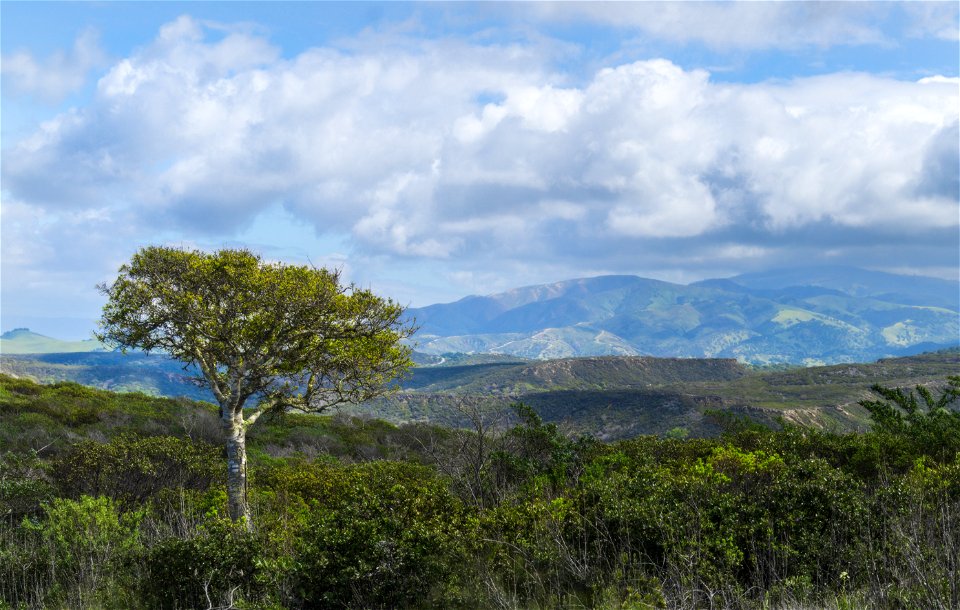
point(932, 422)
point(267, 335)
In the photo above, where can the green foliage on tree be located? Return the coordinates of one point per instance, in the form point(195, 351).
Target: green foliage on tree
point(265, 335)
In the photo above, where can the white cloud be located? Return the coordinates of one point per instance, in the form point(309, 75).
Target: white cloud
point(933, 19)
point(55, 76)
point(665, 204)
point(737, 25)
point(940, 79)
point(401, 145)
point(47, 255)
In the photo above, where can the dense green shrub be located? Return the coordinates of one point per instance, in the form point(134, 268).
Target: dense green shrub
point(376, 535)
point(917, 422)
point(215, 567)
point(24, 485)
point(758, 518)
point(20, 387)
point(131, 469)
point(79, 549)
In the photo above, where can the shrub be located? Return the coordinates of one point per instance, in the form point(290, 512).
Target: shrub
point(215, 567)
point(131, 469)
point(23, 485)
point(381, 535)
point(925, 424)
point(88, 542)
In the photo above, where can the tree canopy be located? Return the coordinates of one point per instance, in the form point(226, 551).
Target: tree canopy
point(273, 335)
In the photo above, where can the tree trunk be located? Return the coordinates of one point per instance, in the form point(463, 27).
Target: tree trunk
point(236, 441)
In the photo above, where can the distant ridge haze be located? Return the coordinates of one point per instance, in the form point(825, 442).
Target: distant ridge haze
point(802, 315)
point(811, 315)
point(910, 289)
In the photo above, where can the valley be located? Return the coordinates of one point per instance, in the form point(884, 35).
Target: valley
point(619, 356)
point(607, 397)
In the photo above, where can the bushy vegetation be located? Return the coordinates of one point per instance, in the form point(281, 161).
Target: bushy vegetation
point(118, 501)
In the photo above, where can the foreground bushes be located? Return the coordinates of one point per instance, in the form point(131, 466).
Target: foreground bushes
point(756, 519)
point(216, 564)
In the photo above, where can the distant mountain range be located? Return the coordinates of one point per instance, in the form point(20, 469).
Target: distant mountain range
point(806, 316)
point(487, 351)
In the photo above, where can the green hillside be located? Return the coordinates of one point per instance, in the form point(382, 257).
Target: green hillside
point(56, 416)
point(153, 374)
point(616, 398)
point(23, 341)
point(606, 397)
point(117, 500)
point(595, 373)
point(836, 386)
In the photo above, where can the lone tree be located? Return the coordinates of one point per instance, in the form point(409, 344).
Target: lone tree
point(265, 336)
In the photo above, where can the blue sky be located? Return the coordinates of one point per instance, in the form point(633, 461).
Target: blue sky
point(437, 150)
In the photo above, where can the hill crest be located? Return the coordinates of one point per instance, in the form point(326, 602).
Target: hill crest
point(814, 315)
point(25, 341)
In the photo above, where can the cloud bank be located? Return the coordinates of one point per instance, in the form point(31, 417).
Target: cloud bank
point(484, 154)
point(749, 25)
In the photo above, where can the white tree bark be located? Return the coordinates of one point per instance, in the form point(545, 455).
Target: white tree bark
point(235, 436)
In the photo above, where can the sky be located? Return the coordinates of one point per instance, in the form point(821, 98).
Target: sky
point(436, 150)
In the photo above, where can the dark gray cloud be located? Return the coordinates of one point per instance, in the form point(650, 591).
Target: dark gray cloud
point(940, 176)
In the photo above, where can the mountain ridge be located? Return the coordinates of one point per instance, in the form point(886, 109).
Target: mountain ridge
point(801, 315)
point(805, 315)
